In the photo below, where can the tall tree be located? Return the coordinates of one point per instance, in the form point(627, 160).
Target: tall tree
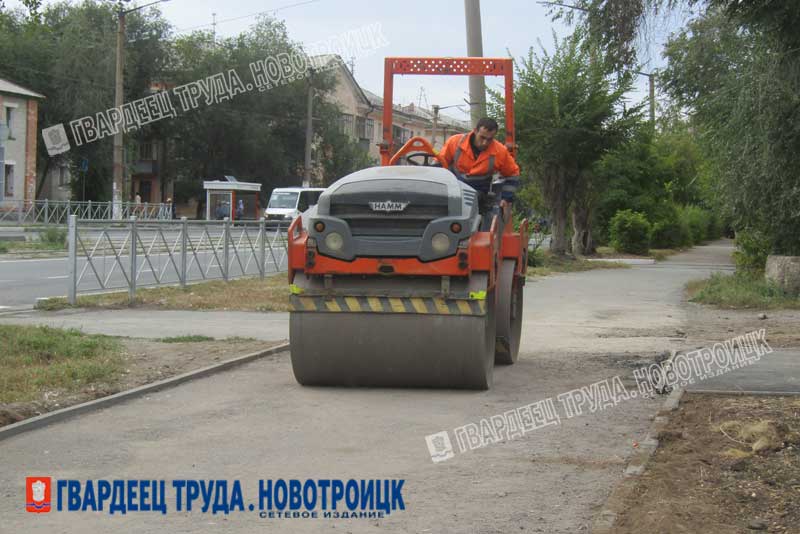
point(66, 53)
point(741, 86)
point(569, 113)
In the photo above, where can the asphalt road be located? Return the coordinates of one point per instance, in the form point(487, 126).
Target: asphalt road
point(256, 422)
point(22, 281)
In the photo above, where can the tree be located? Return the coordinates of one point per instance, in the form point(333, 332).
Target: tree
point(568, 116)
point(66, 52)
point(741, 87)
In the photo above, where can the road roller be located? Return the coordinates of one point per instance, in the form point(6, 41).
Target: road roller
point(403, 275)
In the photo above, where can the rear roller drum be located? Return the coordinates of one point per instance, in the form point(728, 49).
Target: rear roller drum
point(394, 349)
point(509, 314)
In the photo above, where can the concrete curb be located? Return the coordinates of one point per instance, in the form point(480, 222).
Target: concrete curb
point(117, 398)
point(604, 521)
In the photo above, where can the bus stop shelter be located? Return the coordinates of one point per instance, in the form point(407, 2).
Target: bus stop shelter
point(238, 201)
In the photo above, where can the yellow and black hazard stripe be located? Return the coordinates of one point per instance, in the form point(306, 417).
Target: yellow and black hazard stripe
point(419, 305)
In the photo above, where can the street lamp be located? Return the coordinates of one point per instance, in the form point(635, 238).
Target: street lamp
point(118, 184)
point(436, 110)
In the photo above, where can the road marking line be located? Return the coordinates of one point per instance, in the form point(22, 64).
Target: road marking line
point(57, 277)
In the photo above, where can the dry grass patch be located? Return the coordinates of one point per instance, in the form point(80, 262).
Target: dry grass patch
point(243, 294)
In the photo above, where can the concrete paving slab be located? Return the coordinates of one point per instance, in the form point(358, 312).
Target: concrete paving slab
point(777, 372)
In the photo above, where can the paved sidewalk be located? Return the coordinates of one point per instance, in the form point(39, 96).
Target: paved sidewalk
point(776, 372)
point(162, 323)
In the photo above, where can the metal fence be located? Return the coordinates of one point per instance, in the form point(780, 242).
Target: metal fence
point(132, 254)
point(58, 211)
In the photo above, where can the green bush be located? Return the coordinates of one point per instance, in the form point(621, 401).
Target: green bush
point(715, 226)
point(3, 247)
point(697, 220)
point(630, 232)
point(670, 234)
point(54, 236)
point(669, 230)
point(752, 249)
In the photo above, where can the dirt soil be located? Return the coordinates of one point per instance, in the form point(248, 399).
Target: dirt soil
point(706, 478)
point(708, 324)
point(145, 361)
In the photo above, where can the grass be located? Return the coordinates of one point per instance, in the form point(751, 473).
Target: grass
point(740, 291)
point(36, 359)
point(243, 294)
point(30, 246)
point(50, 239)
point(547, 264)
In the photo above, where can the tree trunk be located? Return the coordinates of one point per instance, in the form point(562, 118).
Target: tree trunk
point(40, 181)
point(582, 242)
point(556, 194)
point(558, 227)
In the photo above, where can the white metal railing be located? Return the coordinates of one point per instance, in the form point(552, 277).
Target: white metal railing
point(134, 253)
point(58, 211)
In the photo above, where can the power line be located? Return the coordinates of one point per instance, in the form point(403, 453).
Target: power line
point(281, 8)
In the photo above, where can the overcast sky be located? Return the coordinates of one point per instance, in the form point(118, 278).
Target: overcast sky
point(412, 28)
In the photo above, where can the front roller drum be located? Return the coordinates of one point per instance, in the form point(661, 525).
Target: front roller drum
point(509, 314)
point(394, 349)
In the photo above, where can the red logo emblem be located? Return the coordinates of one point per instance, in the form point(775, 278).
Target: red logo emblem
point(37, 494)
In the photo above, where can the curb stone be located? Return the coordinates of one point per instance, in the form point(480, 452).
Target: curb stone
point(123, 396)
point(604, 521)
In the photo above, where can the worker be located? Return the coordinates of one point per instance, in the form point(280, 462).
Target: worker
point(475, 156)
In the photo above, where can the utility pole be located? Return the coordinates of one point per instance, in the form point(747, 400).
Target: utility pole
point(119, 180)
point(214, 29)
point(117, 187)
point(435, 124)
point(3, 136)
point(651, 76)
point(477, 85)
point(309, 133)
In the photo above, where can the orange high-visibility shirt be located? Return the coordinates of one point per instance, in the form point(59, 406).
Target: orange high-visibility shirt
point(468, 165)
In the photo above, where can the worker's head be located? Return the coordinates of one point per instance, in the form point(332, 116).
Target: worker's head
point(484, 133)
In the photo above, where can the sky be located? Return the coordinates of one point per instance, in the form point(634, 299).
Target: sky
point(411, 27)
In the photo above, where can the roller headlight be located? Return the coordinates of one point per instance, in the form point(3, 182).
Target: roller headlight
point(440, 243)
point(334, 241)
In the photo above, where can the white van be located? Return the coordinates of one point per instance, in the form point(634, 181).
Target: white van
point(286, 203)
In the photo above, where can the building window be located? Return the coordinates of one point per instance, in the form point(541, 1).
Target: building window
point(346, 124)
point(147, 151)
point(401, 135)
point(9, 188)
point(365, 128)
point(9, 117)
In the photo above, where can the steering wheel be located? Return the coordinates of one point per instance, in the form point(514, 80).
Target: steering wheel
point(426, 157)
